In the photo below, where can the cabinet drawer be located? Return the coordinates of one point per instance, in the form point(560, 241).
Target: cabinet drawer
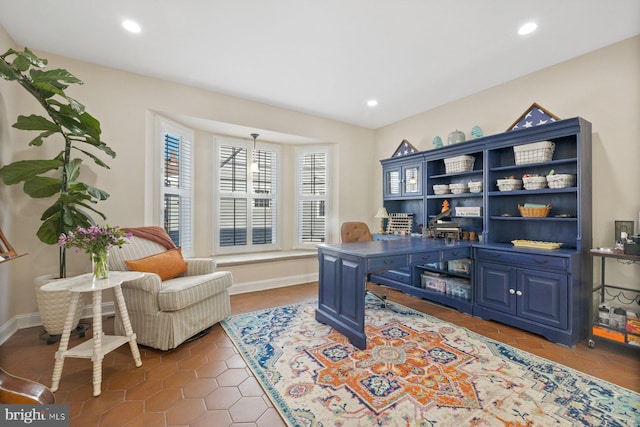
point(455, 253)
point(403, 275)
point(386, 263)
point(528, 260)
point(424, 258)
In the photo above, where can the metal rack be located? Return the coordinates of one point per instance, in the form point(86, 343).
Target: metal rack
point(607, 292)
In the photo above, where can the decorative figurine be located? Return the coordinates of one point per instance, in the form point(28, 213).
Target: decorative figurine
point(445, 206)
point(437, 142)
point(476, 132)
point(455, 137)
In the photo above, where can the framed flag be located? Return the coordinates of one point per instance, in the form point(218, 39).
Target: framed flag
point(404, 148)
point(534, 116)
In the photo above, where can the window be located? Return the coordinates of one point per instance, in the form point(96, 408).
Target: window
point(177, 184)
point(246, 202)
point(312, 195)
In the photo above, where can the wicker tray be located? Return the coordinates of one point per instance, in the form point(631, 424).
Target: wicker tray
point(534, 212)
point(535, 244)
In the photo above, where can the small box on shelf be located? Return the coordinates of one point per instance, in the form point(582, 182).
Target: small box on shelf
point(633, 340)
point(460, 288)
point(468, 211)
point(433, 282)
point(612, 335)
point(460, 265)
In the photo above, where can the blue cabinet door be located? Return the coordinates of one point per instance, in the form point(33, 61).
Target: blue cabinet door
point(543, 297)
point(496, 287)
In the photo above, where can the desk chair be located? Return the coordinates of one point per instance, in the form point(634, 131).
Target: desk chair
point(359, 232)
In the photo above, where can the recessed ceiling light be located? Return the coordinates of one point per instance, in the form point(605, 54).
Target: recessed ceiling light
point(131, 26)
point(527, 28)
point(372, 103)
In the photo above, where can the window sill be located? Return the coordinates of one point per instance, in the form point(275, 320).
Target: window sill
point(260, 257)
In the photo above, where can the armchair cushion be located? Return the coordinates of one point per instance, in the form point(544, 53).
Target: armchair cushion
point(181, 292)
point(167, 265)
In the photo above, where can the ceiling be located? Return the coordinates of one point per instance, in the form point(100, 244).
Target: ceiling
point(326, 58)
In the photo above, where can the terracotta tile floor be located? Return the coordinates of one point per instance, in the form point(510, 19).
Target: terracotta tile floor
point(206, 382)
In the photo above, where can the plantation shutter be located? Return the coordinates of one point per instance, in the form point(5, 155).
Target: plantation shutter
point(177, 189)
point(312, 193)
point(247, 208)
point(264, 186)
point(233, 205)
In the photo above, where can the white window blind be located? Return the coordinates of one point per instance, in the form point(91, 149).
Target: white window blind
point(247, 201)
point(312, 167)
point(177, 186)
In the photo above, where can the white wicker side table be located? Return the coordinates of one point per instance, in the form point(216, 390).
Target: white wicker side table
point(100, 344)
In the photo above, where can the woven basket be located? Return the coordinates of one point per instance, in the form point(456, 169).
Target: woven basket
point(563, 180)
point(54, 305)
point(534, 182)
point(534, 212)
point(459, 164)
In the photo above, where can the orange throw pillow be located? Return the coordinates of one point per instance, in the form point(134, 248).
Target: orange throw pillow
point(167, 264)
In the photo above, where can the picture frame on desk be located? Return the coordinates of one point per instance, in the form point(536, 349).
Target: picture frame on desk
point(623, 226)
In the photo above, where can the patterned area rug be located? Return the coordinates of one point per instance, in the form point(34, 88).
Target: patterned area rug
point(416, 371)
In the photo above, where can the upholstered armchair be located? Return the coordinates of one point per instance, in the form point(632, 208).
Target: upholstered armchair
point(165, 310)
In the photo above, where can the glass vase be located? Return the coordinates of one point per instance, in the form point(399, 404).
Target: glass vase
point(100, 264)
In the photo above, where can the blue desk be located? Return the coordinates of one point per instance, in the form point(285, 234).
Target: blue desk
point(343, 270)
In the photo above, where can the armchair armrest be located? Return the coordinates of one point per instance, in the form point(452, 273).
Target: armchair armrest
point(141, 294)
point(198, 266)
point(149, 282)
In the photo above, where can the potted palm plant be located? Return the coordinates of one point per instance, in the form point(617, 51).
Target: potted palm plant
point(66, 123)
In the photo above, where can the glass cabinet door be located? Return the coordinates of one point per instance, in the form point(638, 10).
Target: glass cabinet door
point(392, 182)
point(412, 180)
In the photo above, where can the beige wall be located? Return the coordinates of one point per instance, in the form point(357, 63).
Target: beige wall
point(7, 218)
point(603, 87)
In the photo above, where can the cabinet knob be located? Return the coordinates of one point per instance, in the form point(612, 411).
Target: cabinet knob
point(519, 293)
point(512, 291)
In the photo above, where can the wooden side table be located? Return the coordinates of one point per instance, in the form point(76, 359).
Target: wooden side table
point(100, 344)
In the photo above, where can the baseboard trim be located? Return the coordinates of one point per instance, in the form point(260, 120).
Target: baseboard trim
point(31, 320)
point(280, 282)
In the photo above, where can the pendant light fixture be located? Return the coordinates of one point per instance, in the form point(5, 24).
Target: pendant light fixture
point(254, 161)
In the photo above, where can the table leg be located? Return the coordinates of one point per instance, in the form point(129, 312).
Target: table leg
point(126, 322)
point(64, 342)
point(97, 343)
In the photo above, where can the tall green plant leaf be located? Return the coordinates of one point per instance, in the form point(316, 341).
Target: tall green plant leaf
point(35, 122)
point(23, 170)
point(41, 187)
